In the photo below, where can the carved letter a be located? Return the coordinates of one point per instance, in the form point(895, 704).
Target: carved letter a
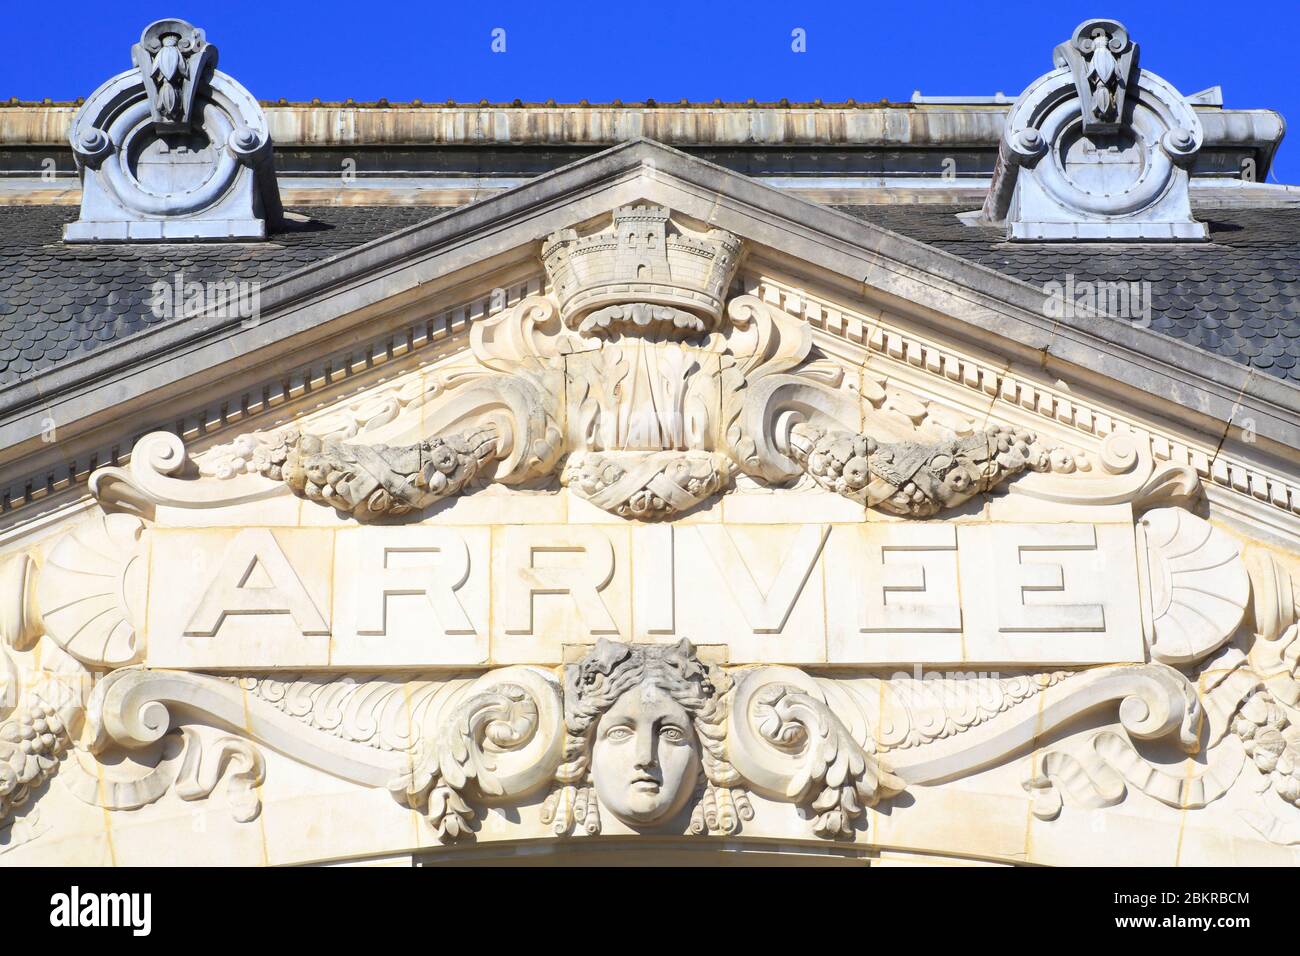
point(253, 555)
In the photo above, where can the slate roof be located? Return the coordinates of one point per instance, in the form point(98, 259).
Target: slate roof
point(1237, 295)
point(58, 300)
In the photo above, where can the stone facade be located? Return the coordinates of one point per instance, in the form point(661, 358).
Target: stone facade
point(677, 534)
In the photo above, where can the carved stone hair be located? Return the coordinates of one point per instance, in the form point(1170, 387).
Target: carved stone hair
point(594, 684)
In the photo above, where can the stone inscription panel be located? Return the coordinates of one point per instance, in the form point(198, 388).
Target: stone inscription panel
point(855, 594)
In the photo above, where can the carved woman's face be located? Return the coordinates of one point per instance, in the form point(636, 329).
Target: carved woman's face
point(646, 759)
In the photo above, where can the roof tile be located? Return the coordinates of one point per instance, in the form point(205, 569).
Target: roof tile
point(1235, 295)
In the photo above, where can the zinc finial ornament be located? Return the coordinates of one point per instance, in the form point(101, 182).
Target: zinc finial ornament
point(175, 62)
point(1097, 149)
point(1101, 58)
point(173, 149)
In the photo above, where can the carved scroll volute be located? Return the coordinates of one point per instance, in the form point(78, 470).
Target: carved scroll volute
point(517, 390)
point(509, 726)
point(786, 742)
point(765, 340)
point(161, 473)
point(523, 337)
point(763, 397)
point(497, 740)
point(1128, 473)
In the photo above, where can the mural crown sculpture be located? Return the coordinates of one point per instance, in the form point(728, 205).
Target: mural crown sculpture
point(643, 274)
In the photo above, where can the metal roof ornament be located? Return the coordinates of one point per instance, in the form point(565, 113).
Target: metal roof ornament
point(1097, 149)
point(173, 149)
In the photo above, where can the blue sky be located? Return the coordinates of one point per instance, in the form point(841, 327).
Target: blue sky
point(434, 51)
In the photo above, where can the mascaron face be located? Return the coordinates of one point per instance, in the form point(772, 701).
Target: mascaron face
point(645, 761)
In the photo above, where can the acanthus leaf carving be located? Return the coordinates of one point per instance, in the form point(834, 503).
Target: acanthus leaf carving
point(1126, 472)
point(181, 762)
point(1155, 701)
point(917, 711)
point(134, 779)
point(787, 743)
point(1098, 774)
point(838, 779)
point(133, 707)
point(1099, 778)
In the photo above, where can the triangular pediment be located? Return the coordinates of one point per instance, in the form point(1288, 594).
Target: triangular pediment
point(916, 318)
point(643, 422)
